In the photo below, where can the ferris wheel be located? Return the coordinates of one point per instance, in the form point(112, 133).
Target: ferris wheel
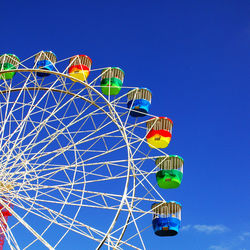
point(81, 157)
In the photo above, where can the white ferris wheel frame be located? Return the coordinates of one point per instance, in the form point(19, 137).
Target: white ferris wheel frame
point(106, 237)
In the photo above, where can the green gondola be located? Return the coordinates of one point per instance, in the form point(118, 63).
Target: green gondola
point(112, 81)
point(171, 171)
point(8, 62)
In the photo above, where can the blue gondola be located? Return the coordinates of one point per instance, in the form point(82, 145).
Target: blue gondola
point(45, 60)
point(166, 218)
point(139, 101)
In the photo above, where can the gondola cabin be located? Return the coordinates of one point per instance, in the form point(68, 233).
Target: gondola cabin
point(159, 132)
point(8, 62)
point(171, 171)
point(112, 81)
point(45, 60)
point(79, 67)
point(4, 213)
point(139, 101)
point(166, 218)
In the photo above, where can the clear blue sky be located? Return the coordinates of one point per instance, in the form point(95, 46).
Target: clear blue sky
point(195, 57)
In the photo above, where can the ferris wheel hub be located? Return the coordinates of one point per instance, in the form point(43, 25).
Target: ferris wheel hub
point(5, 187)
